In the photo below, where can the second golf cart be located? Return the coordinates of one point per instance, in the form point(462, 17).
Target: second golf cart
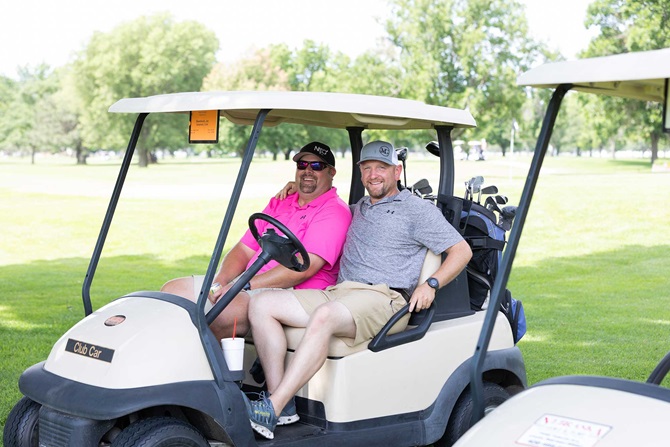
point(581, 410)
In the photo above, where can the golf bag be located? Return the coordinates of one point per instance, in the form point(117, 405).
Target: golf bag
point(487, 241)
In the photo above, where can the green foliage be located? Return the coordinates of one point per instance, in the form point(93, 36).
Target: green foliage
point(627, 26)
point(148, 56)
point(465, 54)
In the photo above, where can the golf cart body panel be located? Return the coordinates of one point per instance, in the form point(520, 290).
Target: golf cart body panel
point(578, 410)
point(582, 411)
point(399, 389)
point(132, 346)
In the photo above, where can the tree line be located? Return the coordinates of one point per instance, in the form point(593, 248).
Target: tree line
point(456, 53)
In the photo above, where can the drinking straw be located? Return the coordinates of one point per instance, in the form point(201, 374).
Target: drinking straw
point(234, 327)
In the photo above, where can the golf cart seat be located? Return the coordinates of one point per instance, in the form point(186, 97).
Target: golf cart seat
point(338, 346)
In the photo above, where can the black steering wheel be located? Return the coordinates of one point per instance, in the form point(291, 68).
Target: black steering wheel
point(284, 250)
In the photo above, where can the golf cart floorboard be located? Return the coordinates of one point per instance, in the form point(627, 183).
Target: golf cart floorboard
point(293, 433)
point(306, 434)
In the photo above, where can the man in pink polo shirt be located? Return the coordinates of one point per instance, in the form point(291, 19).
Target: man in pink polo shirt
point(316, 215)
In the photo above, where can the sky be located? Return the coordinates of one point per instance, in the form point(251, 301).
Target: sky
point(52, 31)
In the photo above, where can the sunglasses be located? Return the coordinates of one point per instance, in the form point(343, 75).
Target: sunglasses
point(315, 165)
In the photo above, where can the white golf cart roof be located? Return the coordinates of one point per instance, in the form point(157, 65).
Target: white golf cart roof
point(337, 110)
point(630, 75)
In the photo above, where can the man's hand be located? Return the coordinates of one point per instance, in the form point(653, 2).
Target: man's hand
point(217, 291)
point(422, 298)
point(286, 191)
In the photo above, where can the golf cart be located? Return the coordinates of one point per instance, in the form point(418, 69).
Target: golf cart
point(119, 377)
point(580, 410)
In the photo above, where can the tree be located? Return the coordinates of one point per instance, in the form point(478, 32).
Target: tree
point(148, 56)
point(31, 119)
point(465, 54)
point(627, 26)
point(280, 69)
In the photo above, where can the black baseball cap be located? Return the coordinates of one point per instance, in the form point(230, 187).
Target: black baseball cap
point(319, 149)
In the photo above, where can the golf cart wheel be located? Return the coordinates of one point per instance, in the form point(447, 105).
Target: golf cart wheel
point(21, 428)
point(459, 422)
point(160, 432)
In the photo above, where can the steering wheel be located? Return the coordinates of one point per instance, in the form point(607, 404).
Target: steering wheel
point(284, 250)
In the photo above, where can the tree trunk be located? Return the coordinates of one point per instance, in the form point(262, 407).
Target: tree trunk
point(81, 154)
point(143, 157)
point(655, 137)
point(33, 151)
point(287, 154)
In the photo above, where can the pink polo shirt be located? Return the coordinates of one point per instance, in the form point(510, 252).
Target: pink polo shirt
point(321, 226)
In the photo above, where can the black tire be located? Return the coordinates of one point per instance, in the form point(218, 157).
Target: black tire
point(21, 427)
point(459, 421)
point(160, 432)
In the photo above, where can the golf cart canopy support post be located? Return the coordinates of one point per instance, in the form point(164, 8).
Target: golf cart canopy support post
point(106, 223)
point(356, 190)
point(221, 240)
point(508, 256)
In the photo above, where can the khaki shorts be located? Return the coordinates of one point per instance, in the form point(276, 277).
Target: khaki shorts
point(370, 305)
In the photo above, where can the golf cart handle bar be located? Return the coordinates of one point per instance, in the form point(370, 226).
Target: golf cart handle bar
point(384, 341)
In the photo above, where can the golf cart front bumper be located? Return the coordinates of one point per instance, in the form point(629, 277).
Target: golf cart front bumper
point(73, 413)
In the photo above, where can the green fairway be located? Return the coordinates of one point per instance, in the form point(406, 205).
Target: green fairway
point(592, 267)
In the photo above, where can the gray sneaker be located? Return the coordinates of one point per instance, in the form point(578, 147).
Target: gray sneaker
point(262, 416)
point(289, 415)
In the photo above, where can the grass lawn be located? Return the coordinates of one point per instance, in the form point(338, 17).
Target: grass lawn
point(591, 269)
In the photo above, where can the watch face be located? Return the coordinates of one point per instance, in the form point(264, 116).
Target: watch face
point(434, 283)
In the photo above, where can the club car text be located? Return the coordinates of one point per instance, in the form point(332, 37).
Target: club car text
point(88, 350)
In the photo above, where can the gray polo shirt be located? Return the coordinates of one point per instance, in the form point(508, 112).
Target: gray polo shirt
point(387, 242)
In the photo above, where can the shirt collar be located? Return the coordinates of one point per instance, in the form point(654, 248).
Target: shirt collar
point(401, 196)
point(316, 202)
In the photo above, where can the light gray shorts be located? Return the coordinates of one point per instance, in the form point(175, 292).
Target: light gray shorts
point(372, 306)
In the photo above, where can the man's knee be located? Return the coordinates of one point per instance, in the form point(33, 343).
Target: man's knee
point(180, 286)
point(263, 304)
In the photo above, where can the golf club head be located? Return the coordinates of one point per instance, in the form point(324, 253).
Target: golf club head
point(491, 189)
point(402, 153)
point(502, 200)
point(491, 204)
point(422, 187)
point(475, 184)
point(433, 148)
point(508, 212)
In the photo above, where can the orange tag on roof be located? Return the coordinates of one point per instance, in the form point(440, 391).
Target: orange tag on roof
point(203, 126)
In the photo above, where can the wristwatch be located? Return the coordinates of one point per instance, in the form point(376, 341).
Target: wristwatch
point(434, 283)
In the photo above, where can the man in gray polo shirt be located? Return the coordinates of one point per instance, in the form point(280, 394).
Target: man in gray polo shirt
point(381, 261)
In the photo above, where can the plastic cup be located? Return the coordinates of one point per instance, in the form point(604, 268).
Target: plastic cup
point(233, 352)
